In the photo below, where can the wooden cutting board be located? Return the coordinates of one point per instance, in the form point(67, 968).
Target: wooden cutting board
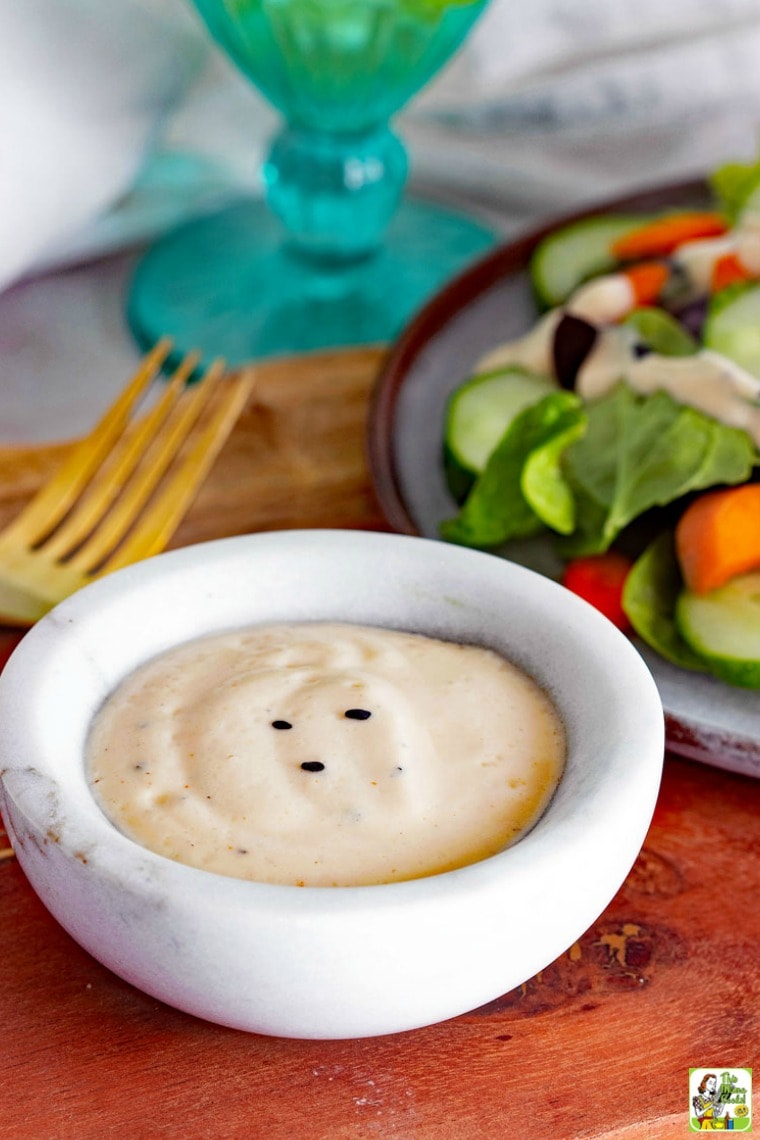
point(598, 1044)
point(295, 457)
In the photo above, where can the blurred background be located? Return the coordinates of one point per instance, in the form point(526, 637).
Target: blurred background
point(119, 119)
point(116, 118)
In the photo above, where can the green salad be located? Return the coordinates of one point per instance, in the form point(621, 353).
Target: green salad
point(625, 426)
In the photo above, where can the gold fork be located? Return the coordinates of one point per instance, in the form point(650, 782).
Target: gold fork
point(123, 490)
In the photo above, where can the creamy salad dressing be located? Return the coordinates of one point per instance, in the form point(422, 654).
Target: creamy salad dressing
point(603, 300)
point(707, 381)
point(533, 351)
point(600, 301)
point(326, 754)
point(607, 363)
point(698, 258)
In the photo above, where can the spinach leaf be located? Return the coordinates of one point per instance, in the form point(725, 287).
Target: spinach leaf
point(543, 483)
point(734, 183)
point(649, 600)
point(644, 451)
point(506, 502)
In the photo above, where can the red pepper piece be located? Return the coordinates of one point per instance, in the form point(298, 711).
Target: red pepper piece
point(599, 579)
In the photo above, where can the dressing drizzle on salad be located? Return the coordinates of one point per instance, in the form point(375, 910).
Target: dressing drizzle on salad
point(708, 380)
point(630, 408)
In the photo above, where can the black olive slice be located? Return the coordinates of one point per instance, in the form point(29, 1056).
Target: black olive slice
point(574, 339)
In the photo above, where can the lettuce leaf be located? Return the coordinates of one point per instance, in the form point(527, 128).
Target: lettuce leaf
point(734, 183)
point(661, 331)
point(649, 600)
point(522, 486)
point(588, 470)
point(640, 452)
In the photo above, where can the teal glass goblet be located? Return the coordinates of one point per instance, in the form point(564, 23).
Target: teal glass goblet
point(334, 254)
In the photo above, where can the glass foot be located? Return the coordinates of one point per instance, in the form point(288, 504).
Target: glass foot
point(226, 285)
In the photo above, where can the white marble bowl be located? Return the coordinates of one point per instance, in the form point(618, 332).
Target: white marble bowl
point(346, 961)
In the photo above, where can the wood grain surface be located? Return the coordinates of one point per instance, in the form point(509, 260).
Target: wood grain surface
point(599, 1044)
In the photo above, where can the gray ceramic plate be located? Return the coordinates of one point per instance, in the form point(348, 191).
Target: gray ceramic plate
point(488, 304)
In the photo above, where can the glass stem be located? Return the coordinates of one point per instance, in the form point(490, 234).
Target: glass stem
point(335, 193)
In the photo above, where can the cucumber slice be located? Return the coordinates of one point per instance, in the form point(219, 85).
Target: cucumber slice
point(723, 627)
point(477, 415)
point(569, 256)
point(733, 325)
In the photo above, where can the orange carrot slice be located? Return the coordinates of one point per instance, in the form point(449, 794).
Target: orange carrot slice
point(718, 537)
point(662, 236)
point(599, 580)
point(647, 279)
point(727, 270)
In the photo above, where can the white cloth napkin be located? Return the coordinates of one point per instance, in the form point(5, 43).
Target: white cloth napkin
point(110, 129)
point(84, 88)
point(558, 102)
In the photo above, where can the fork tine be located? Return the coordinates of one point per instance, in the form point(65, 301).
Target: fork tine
point(131, 448)
point(53, 501)
point(159, 522)
point(119, 519)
